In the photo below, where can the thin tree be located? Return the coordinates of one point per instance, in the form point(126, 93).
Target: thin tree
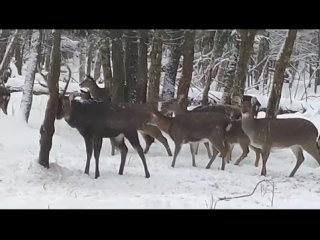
point(18, 54)
point(281, 65)
point(47, 128)
point(142, 69)
point(246, 45)
point(4, 39)
point(155, 68)
point(174, 49)
point(83, 54)
point(262, 55)
point(187, 67)
point(118, 67)
point(34, 58)
point(317, 79)
point(220, 39)
point(106, 65)
point(97, 65)
point(131, 64)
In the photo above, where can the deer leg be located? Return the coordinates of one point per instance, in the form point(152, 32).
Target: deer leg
point(89, 149)
point(196, 148)
point(112, 147)
point(134, 141)
point(229, 153)
point(257, 152)
point(313, 150)
point(213, 157)
point(176, 152)
point(245, 151)
point(193, 147)
point(298, 152)
point(265, 152)
point(119, 143)
point(222, 148)
point(149, 140)
point(97, 148)
point(206, 144)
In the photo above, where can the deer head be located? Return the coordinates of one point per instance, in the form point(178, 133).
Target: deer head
point(87, 83)
point(4, 98)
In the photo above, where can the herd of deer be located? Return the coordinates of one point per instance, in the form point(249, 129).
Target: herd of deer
point(219, 126)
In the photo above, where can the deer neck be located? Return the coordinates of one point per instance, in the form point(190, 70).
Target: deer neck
point(247, 122)
point(164, 123)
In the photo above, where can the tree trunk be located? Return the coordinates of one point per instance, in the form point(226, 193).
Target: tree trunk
point(18, 55)
point(47, 128)
point(142, 69)
point(220, 75)
point(317, 79)
point(131, 64)
point(82, 67)
point(4, 39)
point(261, 58)
point(90, 57)
point(26, 100)
point(247, 39)
point(155, 68)
point(220, 39)
point(118, 67)
point(187, 67)
point(281, 65)
point(174, 54)
point(97, 66)
point(48, 53)
point(7, 57)
point(106, 66)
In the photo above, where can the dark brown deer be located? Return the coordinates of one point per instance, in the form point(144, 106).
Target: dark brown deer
point(192, 127)
point(233, 136)
point(96, 120)
point(266, 133)
point(4, 98)
point(149, 133)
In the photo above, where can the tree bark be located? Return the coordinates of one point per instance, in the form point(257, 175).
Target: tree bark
point(142, 69)
point(48, 52)
point(90, 56)
point(97, 66)
point(18, 55)
point(118, 67)
point(174, 55)
point(47, 128)
point(281, 65)
point(187, 67)
point(83, 53)
point(131, 64)
point(4, 65)
point(26, 100)
point(106, 66)
point(220, 39)
point(155, 68)
point(261, 57)
point(246, 45)
point(317, 79)
point(4, 39)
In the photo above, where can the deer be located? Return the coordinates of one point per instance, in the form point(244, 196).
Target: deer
point(298, 134)
point(233, 136)
point(192, 127)
point(4, 98)
point(96, 120)
point(255, 104)
point(148, 132)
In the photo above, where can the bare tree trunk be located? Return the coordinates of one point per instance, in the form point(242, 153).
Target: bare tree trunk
point(118, 67)
point(155, 68)
point(220, 75)
point(142, 69)
point(48, 52)
point(106, 66)
point(4, 65)
point(47, 128)
point(317, 80)
point(97, 65)
point(187, 67)
point(26, 100)
point(281, 65)
point(83, 53)
point(18, 55)
point(90, 56)
point(247, 39)
point(131, 64)
point(4, 39)
point(220, 39)
point(174, 55)
point(261, 57)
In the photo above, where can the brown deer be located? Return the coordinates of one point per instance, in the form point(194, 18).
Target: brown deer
point(96, 120)
point(233, 136)
point(192, 127)
point(149, 133)
point(266, 133)
point(4, 98)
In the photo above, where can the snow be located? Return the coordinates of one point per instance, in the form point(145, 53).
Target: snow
point(26, 184)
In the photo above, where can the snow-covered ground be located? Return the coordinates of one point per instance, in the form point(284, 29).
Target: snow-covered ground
point(25, 184)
